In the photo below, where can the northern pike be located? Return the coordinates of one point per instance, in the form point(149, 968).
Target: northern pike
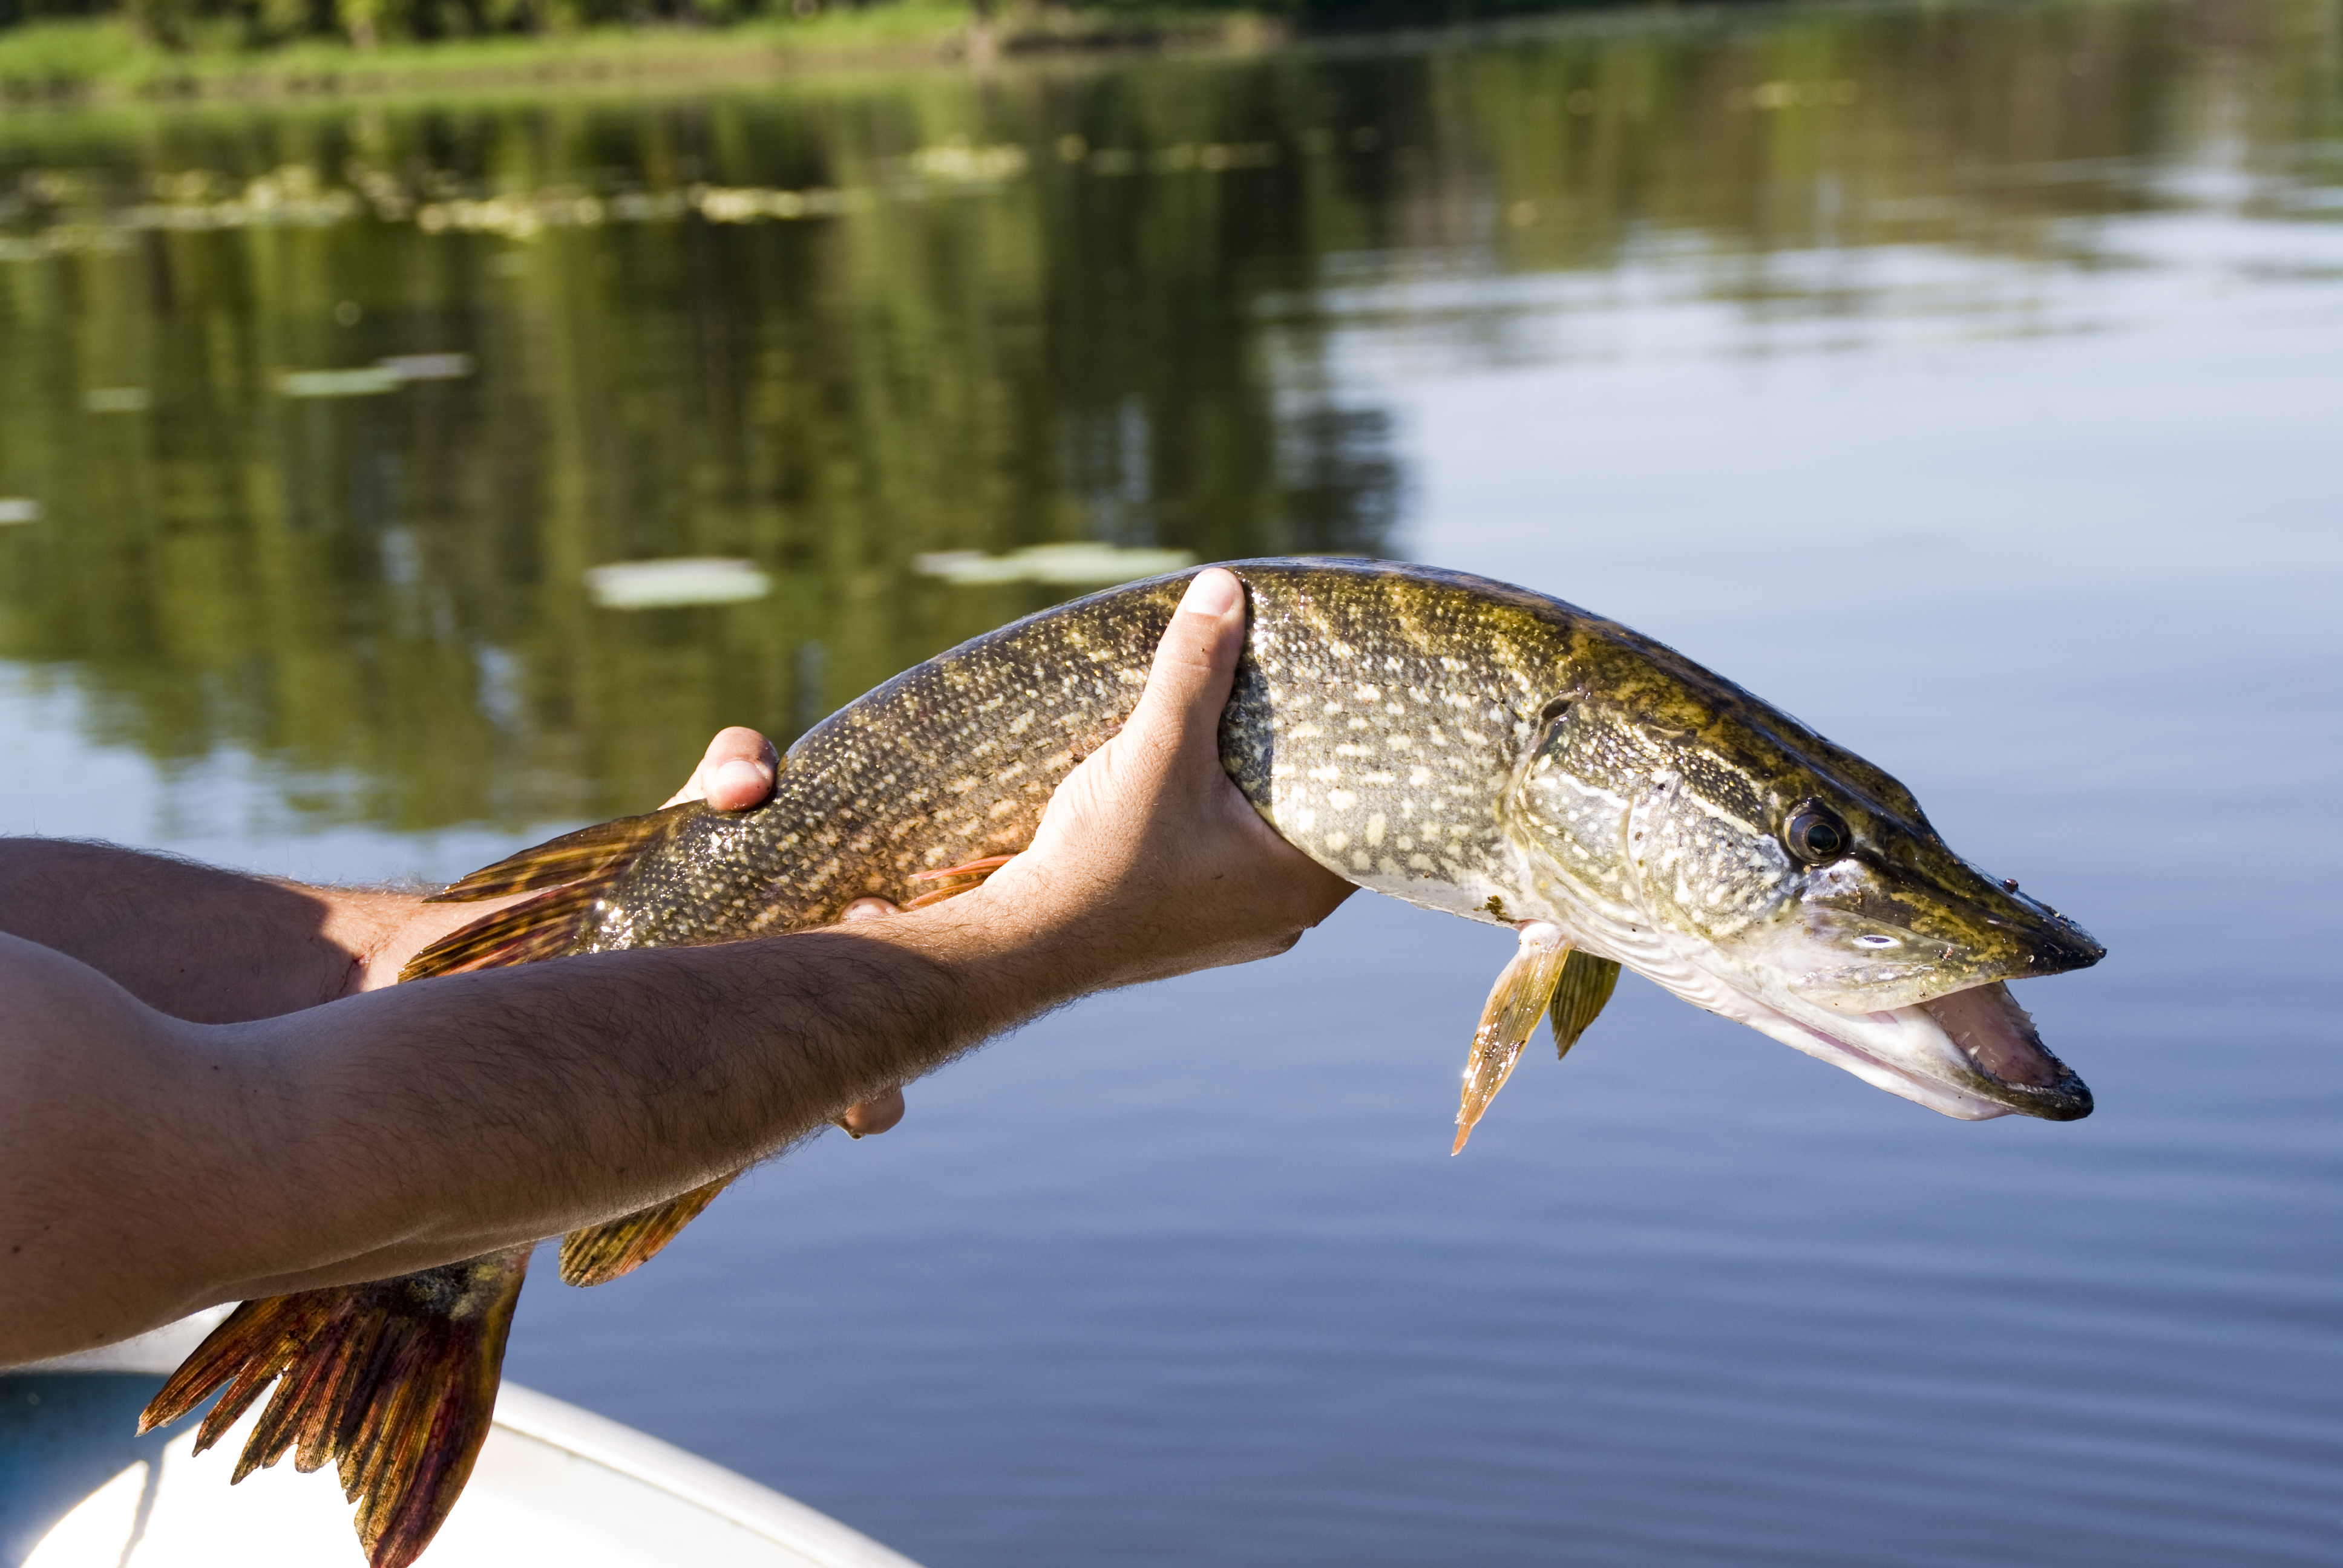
point(1454, 742)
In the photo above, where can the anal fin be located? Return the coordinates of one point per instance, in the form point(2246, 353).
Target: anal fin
point(1525, 988)
point(1581, 993)
point(597, 1254)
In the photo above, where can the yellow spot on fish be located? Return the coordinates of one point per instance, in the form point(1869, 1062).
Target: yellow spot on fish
point(1337, 842)
point(1419, 776)
point(1375, 824)
point(1341, 799)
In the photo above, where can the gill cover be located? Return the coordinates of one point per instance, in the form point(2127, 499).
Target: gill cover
point(1753, 868)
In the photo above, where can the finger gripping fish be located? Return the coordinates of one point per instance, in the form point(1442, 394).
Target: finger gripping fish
point(1454, 742)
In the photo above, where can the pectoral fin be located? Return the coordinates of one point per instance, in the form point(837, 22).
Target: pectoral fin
point(1585, 985)
point(1516, 1003)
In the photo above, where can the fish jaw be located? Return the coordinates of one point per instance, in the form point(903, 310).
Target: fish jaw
point(1862, 937)
point(1971, 1054)
point(1903, 983)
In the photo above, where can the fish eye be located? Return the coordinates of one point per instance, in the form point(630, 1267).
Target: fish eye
point(1814, 834)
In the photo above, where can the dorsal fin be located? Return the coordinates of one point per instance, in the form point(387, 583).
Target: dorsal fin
point(574, 871)
point(589, 854)
point(539, 927)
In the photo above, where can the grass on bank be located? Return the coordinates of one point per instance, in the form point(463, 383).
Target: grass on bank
point(81, 59)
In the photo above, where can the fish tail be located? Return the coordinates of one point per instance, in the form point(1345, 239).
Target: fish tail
point(394, 1383)
point(597, 1254)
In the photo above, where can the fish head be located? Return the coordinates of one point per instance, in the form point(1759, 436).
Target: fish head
point(1722, 849)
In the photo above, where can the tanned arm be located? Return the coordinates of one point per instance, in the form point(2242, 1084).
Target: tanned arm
point(149, 1165)
point(212, 945)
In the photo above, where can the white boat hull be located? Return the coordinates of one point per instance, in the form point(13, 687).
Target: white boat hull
point(554, 1483)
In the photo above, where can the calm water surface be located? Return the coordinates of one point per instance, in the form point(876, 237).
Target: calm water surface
point(1964, 379)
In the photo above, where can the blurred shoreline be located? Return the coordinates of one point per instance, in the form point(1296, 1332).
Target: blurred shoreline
point(109, 60)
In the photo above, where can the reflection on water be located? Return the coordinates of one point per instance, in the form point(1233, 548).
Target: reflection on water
point(1961, 378)
point(328, 413)
point(380, 389)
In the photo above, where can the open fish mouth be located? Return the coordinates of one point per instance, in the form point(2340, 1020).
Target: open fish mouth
point(1972, 1054)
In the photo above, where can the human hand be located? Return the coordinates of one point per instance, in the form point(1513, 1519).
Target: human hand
point(1149, 863)
point(737, 773)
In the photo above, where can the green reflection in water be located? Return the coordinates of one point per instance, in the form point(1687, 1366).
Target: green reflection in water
point(325, 415)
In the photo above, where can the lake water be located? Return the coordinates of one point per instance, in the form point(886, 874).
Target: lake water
point(1966, 379)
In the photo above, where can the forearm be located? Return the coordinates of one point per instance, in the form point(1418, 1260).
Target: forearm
point(204, 944)
point(148, 1165)
point(494, 1108)
point(435, 1121)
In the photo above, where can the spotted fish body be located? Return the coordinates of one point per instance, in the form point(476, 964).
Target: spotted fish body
point(1376, 720)
point(1451, 741)
point(1457, 743)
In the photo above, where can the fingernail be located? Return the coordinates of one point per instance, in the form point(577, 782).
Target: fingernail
point(742, 774)
point(1215, 592)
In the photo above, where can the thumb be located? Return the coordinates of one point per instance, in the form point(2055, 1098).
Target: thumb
point(1196, 664)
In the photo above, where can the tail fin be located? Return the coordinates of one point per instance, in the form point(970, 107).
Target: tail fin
point(396, 1381)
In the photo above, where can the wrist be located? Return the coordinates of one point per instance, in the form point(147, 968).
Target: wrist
point(1007, 955)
